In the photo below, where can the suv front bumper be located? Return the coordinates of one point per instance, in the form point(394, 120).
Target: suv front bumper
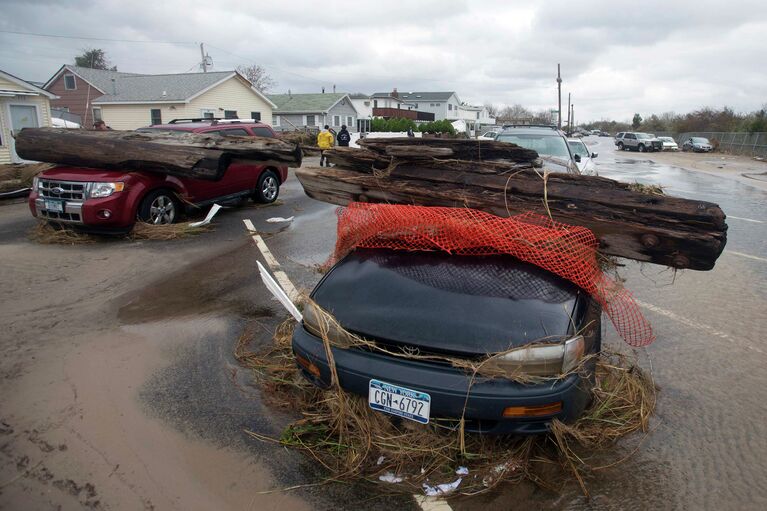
point(449, 387)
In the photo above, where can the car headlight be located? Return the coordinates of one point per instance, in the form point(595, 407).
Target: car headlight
point(320, 323)
point(99, 190)
point(543, 359)
point(35, 183)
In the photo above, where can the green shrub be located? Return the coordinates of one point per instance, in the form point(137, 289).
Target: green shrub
point(393, 124)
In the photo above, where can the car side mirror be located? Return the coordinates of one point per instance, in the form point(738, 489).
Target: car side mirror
point(577, 158)
point(594, 155)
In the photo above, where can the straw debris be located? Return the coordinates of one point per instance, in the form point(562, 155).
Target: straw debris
point(352, 442)
point(59, 234)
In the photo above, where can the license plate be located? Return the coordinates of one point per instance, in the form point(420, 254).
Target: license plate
point(399, 401)
point(54, 205)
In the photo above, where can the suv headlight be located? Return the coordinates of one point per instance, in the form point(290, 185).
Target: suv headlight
point(543, 359)
point(35, 183)
point(100, 190)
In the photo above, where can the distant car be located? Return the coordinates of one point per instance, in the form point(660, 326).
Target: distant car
point(595, 132)
point(584, 159)
point(488, 135)
point(459, 306)
point(103, 200)
point(604, 134)
point(547, 141)
point(697, 145)
point(669, 144)
point(642, 142)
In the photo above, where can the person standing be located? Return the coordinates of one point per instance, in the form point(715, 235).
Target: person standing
point(344, 137)
point(410, 132)
point(324, 142)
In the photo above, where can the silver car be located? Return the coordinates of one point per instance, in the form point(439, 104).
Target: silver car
point(669, 144)
point(697, 145)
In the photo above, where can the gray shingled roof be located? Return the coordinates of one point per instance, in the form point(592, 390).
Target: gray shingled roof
point(304, 103)
point(425, 96)
point(100, 78)
point(172, 87)
point(359, 95)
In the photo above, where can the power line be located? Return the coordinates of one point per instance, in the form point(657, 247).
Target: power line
point(58, 36)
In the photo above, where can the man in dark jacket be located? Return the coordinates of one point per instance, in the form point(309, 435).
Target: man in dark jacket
point(343, 137)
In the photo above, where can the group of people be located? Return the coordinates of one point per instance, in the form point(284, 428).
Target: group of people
point(326, 140)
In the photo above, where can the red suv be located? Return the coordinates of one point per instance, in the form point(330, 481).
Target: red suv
point(112, 200)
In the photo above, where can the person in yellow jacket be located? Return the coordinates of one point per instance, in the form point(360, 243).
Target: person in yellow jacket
point(324, 141)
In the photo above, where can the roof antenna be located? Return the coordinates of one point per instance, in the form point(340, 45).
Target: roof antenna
point(334, 88)
point(114, 88)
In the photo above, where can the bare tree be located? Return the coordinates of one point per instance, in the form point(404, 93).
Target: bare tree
point(514, 113)
point(492, 110)
point(258, 77)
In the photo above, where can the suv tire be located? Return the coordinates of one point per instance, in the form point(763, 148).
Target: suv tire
point(268, 188)
point(620, 146)
point(642, 148)
point(159, 207)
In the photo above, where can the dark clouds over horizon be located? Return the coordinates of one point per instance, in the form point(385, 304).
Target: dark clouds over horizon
point(617, 58)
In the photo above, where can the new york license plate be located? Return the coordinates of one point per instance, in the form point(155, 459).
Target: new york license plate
point(396, 400)
point(54, 205)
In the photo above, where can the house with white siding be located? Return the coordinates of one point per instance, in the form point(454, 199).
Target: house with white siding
point(133, 101)
point(300, 111)
point(22, 105)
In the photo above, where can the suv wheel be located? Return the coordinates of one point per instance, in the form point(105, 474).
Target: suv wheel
point(641, 148)
point(268, 188)
point(159, 207)
point(620, 146)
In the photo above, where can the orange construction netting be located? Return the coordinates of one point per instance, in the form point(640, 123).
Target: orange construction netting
point(565, 250)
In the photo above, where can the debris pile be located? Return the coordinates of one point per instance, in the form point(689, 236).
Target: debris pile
point(505, 180)
point(353, 442)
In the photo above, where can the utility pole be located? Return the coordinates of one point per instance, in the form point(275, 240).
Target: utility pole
point(205, 59)
point(569, 125)
point(572, 115)
point(559, 96)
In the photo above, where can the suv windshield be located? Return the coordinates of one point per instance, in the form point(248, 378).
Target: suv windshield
point(546, 144)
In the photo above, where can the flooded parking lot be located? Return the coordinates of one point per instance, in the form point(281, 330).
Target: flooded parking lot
point(121, 391)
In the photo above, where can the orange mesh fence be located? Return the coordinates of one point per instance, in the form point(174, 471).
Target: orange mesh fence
point(565, 250)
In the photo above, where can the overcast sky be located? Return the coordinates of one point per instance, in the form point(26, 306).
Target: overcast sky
point(617, 57)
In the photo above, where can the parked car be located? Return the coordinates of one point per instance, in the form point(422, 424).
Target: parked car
point(642, 142)
point(583, 157)
point(488, 135)
point(669, 144)
point(697, 145)
point(458, 306)
point(619, 138)
point(547, 141)
point(112, 200)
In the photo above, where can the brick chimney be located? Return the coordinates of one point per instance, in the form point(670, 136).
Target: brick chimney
point(394, 93)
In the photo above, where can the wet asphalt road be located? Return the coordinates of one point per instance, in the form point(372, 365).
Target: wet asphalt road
point(708, 448)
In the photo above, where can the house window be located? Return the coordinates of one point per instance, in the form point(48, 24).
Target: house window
point(69, 82)
point(230, 114)
point(431, 104)
point(256, 116)
point(416, 105)
point(336, 120)
point(375, 103)
point(477, 115)
point(349, 120)
point(439, 104)
point(156, 114)
point(275, 120)
point(96, 114)
point(310, 120)
point(449, 106)
point(207, 113)
point(367, 103)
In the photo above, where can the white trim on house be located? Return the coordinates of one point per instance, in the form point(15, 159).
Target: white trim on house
point(33, 88)
point(11, 145)
point(164, 101)
point(61, 70)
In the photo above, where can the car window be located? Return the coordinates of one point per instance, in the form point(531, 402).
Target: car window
point(262, 132)
point(579, 148)
point(543, 143)
point(630, 136)
point(234, 132)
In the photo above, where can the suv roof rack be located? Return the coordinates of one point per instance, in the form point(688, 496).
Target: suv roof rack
point(549, 126)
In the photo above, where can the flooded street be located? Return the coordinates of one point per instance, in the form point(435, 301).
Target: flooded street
point(120, 388)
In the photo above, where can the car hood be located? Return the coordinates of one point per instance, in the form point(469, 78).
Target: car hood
point(468, 305)
point(561, 165)
point(83, 174)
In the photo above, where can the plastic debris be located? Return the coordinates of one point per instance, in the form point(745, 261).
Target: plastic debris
point(441, 489)
point(380, 460)
point(462, 471)
point(389, 477)
point(213, 210)
point(278, 219)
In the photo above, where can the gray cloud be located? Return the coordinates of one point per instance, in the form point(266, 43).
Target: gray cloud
point(657, 56)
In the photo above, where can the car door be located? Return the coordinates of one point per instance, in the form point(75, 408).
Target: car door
point(629, 141)
point(240, 177)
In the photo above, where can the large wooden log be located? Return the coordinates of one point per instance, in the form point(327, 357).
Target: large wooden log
point(183, 154)
point(459, 149)
point(670, 231)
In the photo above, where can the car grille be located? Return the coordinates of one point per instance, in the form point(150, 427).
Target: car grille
point(657, 144)
point(67, 190)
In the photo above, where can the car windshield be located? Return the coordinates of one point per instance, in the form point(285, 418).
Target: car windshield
point(579, 148)
point(699, 140)
point(546, 144)
point(643, 136)
point(666, 139)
